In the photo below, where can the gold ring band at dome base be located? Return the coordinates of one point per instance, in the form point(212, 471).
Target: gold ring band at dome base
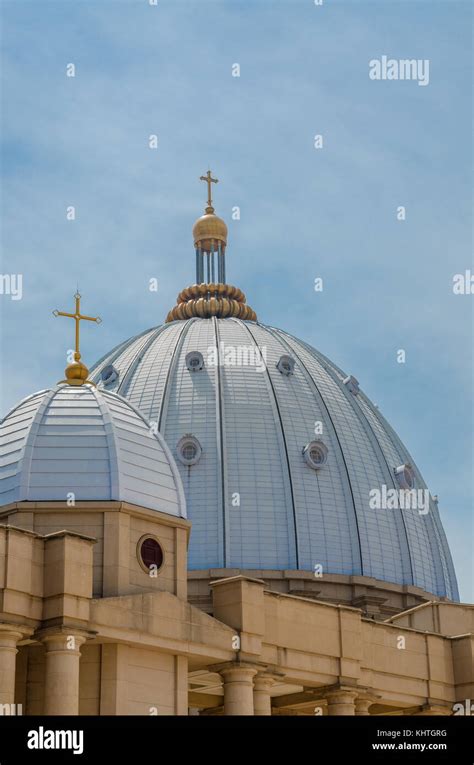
point(205, 308)
point(211, 290)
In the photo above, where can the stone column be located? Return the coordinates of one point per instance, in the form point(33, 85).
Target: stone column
point(61, 691)
point(341, 702)
point(238, 690)
point(262, 702)
point(362, 705)
point(9, 638)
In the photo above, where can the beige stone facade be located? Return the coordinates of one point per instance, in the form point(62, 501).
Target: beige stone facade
point(85, 629)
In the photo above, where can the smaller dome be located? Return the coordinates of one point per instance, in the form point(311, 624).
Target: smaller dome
point(208, 228)
point(89, 443)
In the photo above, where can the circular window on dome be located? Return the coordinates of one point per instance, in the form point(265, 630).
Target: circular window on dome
point(286, 365)
point(150, 554)
point(315, 454)
point(194, 361)
point(109, 374)
point(189, 450)
point(405, 476)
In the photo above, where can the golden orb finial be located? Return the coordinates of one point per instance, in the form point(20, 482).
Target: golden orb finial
point(209, 231)
point(76, 372)
point(211, 296)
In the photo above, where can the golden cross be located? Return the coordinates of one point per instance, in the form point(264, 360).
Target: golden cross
point(78, 317)
point(209, 179)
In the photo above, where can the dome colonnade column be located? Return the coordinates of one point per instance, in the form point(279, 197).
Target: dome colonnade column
point(247, 688)
point(10, 636)
point(349, 700)
point(262, 685)
point(238, 688)
point(62, 647)
point(247, 691)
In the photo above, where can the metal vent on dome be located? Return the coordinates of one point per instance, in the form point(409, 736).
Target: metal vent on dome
point(352, 384)
point(286, 365)
point(315, 454)
point(405, 476)
point(109, 375)
point(189, 450)
point(194, 361)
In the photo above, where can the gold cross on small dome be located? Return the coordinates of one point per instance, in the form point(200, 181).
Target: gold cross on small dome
point(77, 372)
point(209, 179)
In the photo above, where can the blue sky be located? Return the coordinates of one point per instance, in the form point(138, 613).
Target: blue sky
point(305, 213)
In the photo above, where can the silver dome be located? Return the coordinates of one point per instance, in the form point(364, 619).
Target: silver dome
point(253, 499)
point(87, 443)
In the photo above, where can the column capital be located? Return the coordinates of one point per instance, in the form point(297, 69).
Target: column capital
point(263, 682)
point(340, 694)
point(363, 704)
point(365, 698)
point(341, 700)
point(238, 686)
point(50, 632)
point(330, 690)
point(267, 677)
point(230, 666)
point(16, 632)
point(63, 639)
point(238, 673)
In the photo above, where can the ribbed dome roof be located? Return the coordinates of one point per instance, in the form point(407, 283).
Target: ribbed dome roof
point(252, 427)
point(91, 443)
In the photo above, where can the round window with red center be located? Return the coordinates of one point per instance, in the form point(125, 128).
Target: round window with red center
point(150, 554)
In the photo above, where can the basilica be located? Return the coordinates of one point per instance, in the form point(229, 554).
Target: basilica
point(187, 529)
